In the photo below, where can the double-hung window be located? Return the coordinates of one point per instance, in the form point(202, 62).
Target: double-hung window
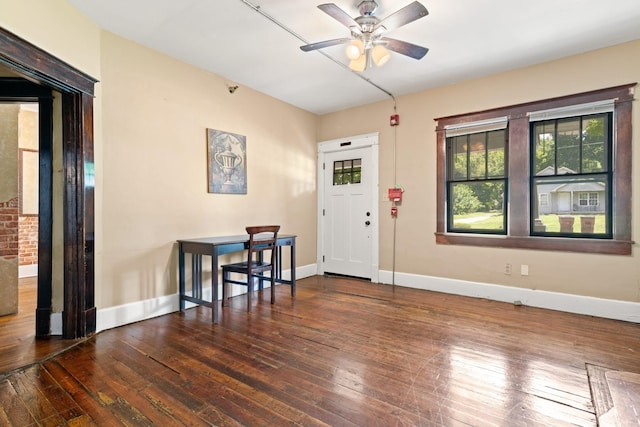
point(476, 177)
point(571, 166)
point(550, 175)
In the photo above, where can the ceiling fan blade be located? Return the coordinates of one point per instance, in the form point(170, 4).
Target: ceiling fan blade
point(338, 14)
point(405, 48)
point(409, 13)
point(326, 43)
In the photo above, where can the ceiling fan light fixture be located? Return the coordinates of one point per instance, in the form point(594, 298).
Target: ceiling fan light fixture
point(358, 64)
point(380, 55)
point(367, 45)
point(354, 49)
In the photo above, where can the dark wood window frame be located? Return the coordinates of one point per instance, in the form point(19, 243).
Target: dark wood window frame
point(519, 236)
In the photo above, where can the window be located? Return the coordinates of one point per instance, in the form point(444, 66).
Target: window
point(347, 172)
point(589, 199)
point(571, 164)
point(543, 199)
point(476, 181)
point(560, 190)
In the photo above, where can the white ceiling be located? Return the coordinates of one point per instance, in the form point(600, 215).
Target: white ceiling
point(466, 39)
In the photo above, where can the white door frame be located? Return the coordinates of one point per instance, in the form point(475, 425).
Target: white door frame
point(344, 144)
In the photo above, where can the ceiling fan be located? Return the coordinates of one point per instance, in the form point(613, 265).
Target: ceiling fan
point(367, 46)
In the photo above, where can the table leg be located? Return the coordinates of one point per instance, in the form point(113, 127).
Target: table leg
point(279, 263)
point(181, 276)
point(196, 276)
point(293, 268)
point(214, 286)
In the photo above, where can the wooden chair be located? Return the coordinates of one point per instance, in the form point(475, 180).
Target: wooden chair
point(261, 258)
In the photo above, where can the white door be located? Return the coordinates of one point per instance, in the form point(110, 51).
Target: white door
point(564, 202)
point(348, 221)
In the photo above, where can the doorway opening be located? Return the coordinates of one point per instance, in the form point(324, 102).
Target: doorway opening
point(34, 70)
point(28, 172)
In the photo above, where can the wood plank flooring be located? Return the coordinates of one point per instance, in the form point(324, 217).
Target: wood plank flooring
point(343, 353)
point(18, 345)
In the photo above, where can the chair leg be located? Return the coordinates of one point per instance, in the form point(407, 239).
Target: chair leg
point(273, 288)
point(225, 276)
point(249, 290)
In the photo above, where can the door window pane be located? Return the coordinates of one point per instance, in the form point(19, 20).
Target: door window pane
point(347, 172)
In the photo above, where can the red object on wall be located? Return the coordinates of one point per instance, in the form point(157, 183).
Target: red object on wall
point(395, 194)
point(395, 120)
point(394, 211)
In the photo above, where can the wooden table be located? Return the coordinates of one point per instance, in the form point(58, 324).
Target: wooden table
point(214, 247)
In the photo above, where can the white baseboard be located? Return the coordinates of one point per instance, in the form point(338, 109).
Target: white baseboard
point(302, 272)
point(56, 323)
point(113, 317)
point(28, 270)
point(578, 304)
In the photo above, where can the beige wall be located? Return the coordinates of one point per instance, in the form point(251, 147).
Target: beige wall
point(154, 181)
point(9, 151)
point(605, 276)
point(56, 27)
point(9, 208)
point(28, 141)
point(29, 173)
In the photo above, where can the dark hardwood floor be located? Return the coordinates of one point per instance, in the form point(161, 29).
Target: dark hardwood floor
point(18, 344)
point(343, 353)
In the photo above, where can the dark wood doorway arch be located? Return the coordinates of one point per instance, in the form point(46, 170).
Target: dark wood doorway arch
point(77, 90)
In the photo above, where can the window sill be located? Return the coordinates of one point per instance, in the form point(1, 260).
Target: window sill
point(594, 246)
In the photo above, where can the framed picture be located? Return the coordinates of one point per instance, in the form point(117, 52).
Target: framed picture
point(227, 162)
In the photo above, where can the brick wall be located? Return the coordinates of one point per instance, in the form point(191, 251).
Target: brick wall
point(9, 228)
point(28, 240)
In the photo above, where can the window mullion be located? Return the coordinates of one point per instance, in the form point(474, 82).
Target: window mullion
point(518, 176)
point(555, 147)
point(486, 155)
point(581, 139)
point(468, 153)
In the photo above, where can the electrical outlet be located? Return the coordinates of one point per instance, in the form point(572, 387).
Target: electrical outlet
point(524, 270)
point(507, 268)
